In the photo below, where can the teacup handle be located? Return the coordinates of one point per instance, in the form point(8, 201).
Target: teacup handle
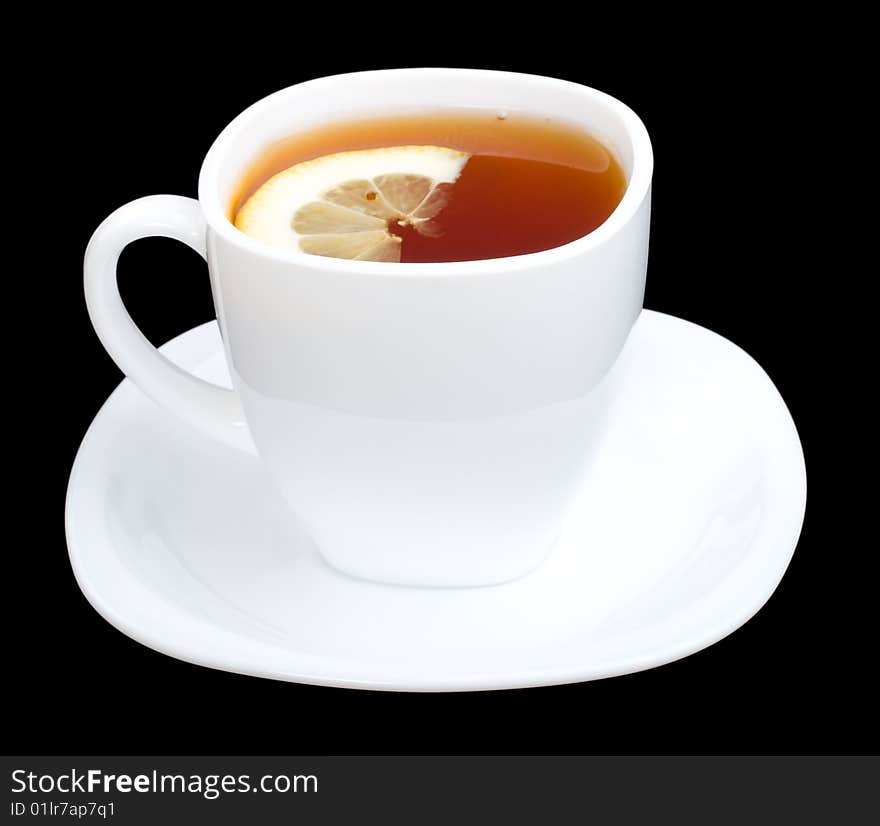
point(206, 406)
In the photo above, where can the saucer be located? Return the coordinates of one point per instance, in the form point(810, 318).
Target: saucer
point(685, 522)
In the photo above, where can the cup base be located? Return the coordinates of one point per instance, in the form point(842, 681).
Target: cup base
point(444, 581)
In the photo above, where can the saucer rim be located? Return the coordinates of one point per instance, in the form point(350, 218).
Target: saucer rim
point(176, 349)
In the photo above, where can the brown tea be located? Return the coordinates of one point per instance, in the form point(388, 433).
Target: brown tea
point(529, 184)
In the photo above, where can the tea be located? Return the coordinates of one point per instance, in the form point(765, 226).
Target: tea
point(528, 183)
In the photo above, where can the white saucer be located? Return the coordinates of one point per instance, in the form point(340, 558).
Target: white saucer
point(685, 524)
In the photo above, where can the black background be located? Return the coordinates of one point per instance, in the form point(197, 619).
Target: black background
point(132, 111)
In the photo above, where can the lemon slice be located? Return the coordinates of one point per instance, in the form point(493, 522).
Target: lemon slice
point(342, 205)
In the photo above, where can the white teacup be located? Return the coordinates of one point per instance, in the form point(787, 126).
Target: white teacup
point(428, 423)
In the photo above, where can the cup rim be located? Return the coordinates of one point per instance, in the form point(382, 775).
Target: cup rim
point(637, 188)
